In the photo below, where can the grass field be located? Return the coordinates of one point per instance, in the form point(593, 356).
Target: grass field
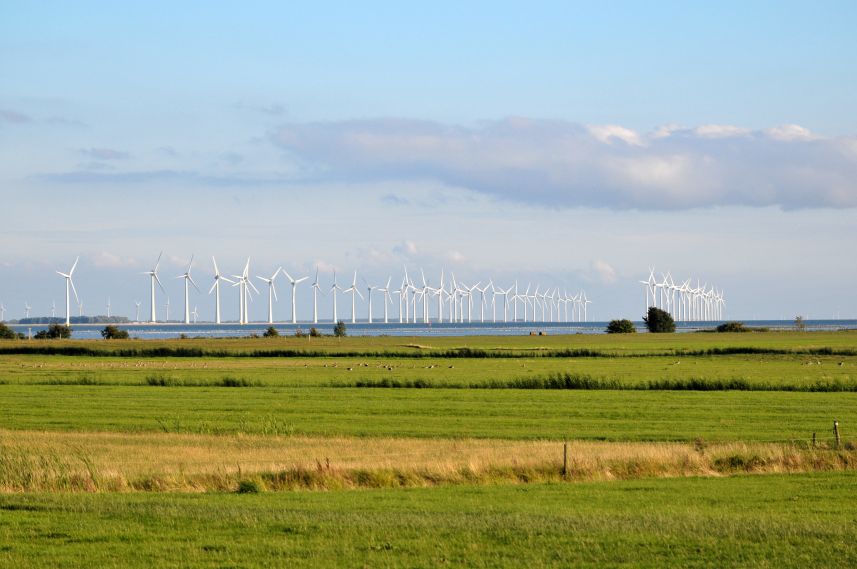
point(760, 521)
point(430, 451)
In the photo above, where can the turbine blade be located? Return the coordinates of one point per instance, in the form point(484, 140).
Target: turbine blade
point(216, 270)
point(71, 282)
point(159, 282)
point(71, 272)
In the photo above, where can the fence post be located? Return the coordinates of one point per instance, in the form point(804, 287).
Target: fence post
point(836, 433)
point(813, 440)
point(564, 458)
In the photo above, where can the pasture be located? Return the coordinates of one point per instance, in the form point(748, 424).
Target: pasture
point(682, 449)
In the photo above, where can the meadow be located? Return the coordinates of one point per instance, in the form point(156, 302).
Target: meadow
point(683, 449)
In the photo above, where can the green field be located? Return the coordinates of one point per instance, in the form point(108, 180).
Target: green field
point(432, 451)
point(769, 521)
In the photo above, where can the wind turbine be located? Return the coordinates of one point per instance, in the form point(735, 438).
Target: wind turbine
point(2, 312)
point(137, 303)
point(69, 287)
point(316, 288)
point(188, 280)
point(216, 289)
point(294, 294)
point(153, 274)
point(167, 319)
point(27, 309)
point(369, 289)
point(53, 309)
point(272, 293)
point(108, 307)
point(387, 299)
point(244, 285)
point(80, 307)
point(333, 288)
point(195, 314)
point(353, 290)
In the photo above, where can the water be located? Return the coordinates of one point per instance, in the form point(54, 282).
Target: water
point(209, 330)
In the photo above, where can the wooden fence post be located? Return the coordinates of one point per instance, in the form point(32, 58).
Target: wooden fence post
point(813, 440)
point(564, 458)
point(836, 433)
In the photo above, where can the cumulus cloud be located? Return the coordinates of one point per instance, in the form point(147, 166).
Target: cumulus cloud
point(564, 164)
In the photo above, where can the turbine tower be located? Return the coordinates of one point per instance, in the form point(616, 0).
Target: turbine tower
point(216, 289)
point(272, 293)
point(69, 287)
point(295, 283)
point(188, 280)
point(27, 309)
point(333, 288)
point(153, 274)
point(353, 290)
point(137, 303)
point(315, 290)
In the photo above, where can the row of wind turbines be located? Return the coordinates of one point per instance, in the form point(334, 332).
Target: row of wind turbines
point(683, 302)
point(454, 300)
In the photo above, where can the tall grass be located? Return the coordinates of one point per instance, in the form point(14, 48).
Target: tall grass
point(94, 462)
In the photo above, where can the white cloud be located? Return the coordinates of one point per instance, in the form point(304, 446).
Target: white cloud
point(605, 272)
point(562, 164)
point(789, 132)
point(606, 134)
point(721, 131)
point(106, 259)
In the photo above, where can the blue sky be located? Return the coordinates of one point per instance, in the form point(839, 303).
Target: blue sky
point(569, 144)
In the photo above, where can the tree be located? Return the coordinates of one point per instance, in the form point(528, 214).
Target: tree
point(314, 333)
point(621, 327)
point(658, 321)
point(339, 330)
point(800, 324)
point(271, 332)
point(7, 333)
point(114, 333)
point(54, 331)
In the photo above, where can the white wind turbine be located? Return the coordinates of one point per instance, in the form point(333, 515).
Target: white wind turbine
point(80, 307)
point(353, 290)
point(195, 314)
point(137, 303)
point(27, 309)
point(333, 288)
point(369, 289)
point(188, 280)
point(153, 274)
point(69, 288)
point(387, 299)
point(216, 289)
point(244, 285)
point(53, 309)
point(272, 293)
point(2, 312)
point(167, 306)
point(108, 307)
point(295, 283)
point(316, 288)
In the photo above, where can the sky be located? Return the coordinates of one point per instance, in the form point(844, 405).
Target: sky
point(565, 144)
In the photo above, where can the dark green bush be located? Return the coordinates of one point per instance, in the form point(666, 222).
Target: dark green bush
point(659, 321)
point(339, 330)
point(271, 332)
point(114, 333)
point(54, 331)
point(7, 333)
point(623, 326)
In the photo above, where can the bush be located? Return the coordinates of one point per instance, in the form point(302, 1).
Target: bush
point(271, 332)
point(339, 330)
point(314, 333)
point(249, 487)
point(54, 331)
point(621, 327)
point(732, 327)
point(7, 333)
point(659, 321)
point(800, 324)
point(299, 333)
point(114, 333)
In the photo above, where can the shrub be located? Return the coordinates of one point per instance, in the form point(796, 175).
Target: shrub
point(732, 327)
point(114, 333)
point(54, 331)
point(800, 324)
point(249, 487)
point(299, 333)
point(7, 333)
point(659, 321)
point(271, 332)
point(314, 333)
point(621, 327)
point(339, 330)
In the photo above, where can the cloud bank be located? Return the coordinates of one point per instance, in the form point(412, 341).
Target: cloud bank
point(563, 164)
